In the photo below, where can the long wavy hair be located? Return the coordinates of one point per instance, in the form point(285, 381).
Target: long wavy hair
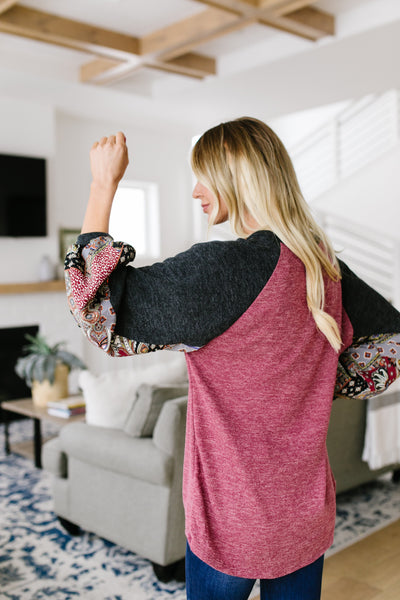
point(245, 163)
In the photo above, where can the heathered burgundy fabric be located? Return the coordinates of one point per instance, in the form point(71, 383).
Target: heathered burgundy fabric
point(258, 490)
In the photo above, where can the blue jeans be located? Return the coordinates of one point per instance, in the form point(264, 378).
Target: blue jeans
point(205, 583)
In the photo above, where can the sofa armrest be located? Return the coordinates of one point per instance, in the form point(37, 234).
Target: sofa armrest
point(169, 431)
point(54, 459)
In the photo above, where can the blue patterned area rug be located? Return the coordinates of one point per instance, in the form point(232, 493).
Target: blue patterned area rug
point(38, 559)
point(363, 511)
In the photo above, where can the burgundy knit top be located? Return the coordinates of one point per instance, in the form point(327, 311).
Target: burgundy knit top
point(258, 490)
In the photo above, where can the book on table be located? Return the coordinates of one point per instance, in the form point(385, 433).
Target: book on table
point(67, 407)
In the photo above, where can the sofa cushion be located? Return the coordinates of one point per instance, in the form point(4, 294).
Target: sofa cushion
point(109, 397)
point(149, 402)
point(115, 451)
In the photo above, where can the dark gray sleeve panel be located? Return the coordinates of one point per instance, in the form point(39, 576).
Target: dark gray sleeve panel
point(369, 312)
point(196, 295)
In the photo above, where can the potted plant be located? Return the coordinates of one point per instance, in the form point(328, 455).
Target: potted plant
point(45, 369)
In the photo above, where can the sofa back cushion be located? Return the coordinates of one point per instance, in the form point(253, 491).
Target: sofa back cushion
point(109, 397)
point(145, 411)
point(170, 429)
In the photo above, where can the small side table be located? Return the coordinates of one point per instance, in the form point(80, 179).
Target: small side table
point(26, 407)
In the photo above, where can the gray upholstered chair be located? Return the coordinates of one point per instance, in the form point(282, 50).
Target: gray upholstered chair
point(126, 485)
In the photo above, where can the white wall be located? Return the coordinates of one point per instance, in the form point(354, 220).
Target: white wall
point(36, 129)
point(296, 127)
point(370, 197)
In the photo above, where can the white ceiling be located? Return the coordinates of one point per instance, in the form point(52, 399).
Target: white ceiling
point(52, 71)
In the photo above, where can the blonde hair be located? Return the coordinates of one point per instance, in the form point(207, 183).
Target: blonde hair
point(245, 163)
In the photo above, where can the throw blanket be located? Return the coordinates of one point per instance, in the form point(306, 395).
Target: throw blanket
point(382, 435)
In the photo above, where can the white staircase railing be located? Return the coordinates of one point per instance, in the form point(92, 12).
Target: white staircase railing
point(372, 256)
point(357, 136)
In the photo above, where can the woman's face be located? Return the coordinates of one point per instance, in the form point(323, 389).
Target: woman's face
point(200, 192)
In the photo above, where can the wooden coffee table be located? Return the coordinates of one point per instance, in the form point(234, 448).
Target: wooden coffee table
point(26, 407)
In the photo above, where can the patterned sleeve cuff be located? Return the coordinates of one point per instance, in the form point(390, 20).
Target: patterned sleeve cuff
point(87, 271)
point(368, 367)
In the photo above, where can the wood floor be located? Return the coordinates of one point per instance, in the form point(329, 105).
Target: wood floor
point(367, 570)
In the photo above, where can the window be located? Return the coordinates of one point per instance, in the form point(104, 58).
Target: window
point(135, 217)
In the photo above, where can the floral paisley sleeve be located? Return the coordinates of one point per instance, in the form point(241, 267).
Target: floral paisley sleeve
point(368, 366)
point(87, 272)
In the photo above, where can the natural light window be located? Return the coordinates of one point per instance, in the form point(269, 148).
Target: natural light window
point(135, 217)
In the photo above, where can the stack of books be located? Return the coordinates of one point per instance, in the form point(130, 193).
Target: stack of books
point(67, 407)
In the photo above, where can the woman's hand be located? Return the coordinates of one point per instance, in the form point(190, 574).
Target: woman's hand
point(108, 160)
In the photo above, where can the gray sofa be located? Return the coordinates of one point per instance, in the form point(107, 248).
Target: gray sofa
point(128, 489)
point(345, 445)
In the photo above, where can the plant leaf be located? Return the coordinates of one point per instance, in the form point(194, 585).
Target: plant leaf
point(38, 344)
point(42, 359)
point(56, 348)
point(49, 368)
point(72, 361)
point(24, 367)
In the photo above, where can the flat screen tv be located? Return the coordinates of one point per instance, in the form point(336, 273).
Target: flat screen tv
point(22, 196)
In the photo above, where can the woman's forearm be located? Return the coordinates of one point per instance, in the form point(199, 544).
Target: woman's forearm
point(98, 210)
point(108, 161)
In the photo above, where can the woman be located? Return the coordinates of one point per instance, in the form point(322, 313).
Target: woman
point(263, 320)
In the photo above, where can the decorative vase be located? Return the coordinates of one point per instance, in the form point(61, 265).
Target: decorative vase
point(46, 269)
point(44, 391)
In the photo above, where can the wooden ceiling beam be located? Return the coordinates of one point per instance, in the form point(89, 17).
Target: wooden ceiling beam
point(254, 3)
point(236, 7)
point(286, 5)
point(293, 16)
point(191, 65)
point(38, 25)
point(255, 7)
point(308, 23)
point(96, 69)
point(194, 65)
point(236, 25)
point(6, 5)
point(189, 32)
point(106, 71)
